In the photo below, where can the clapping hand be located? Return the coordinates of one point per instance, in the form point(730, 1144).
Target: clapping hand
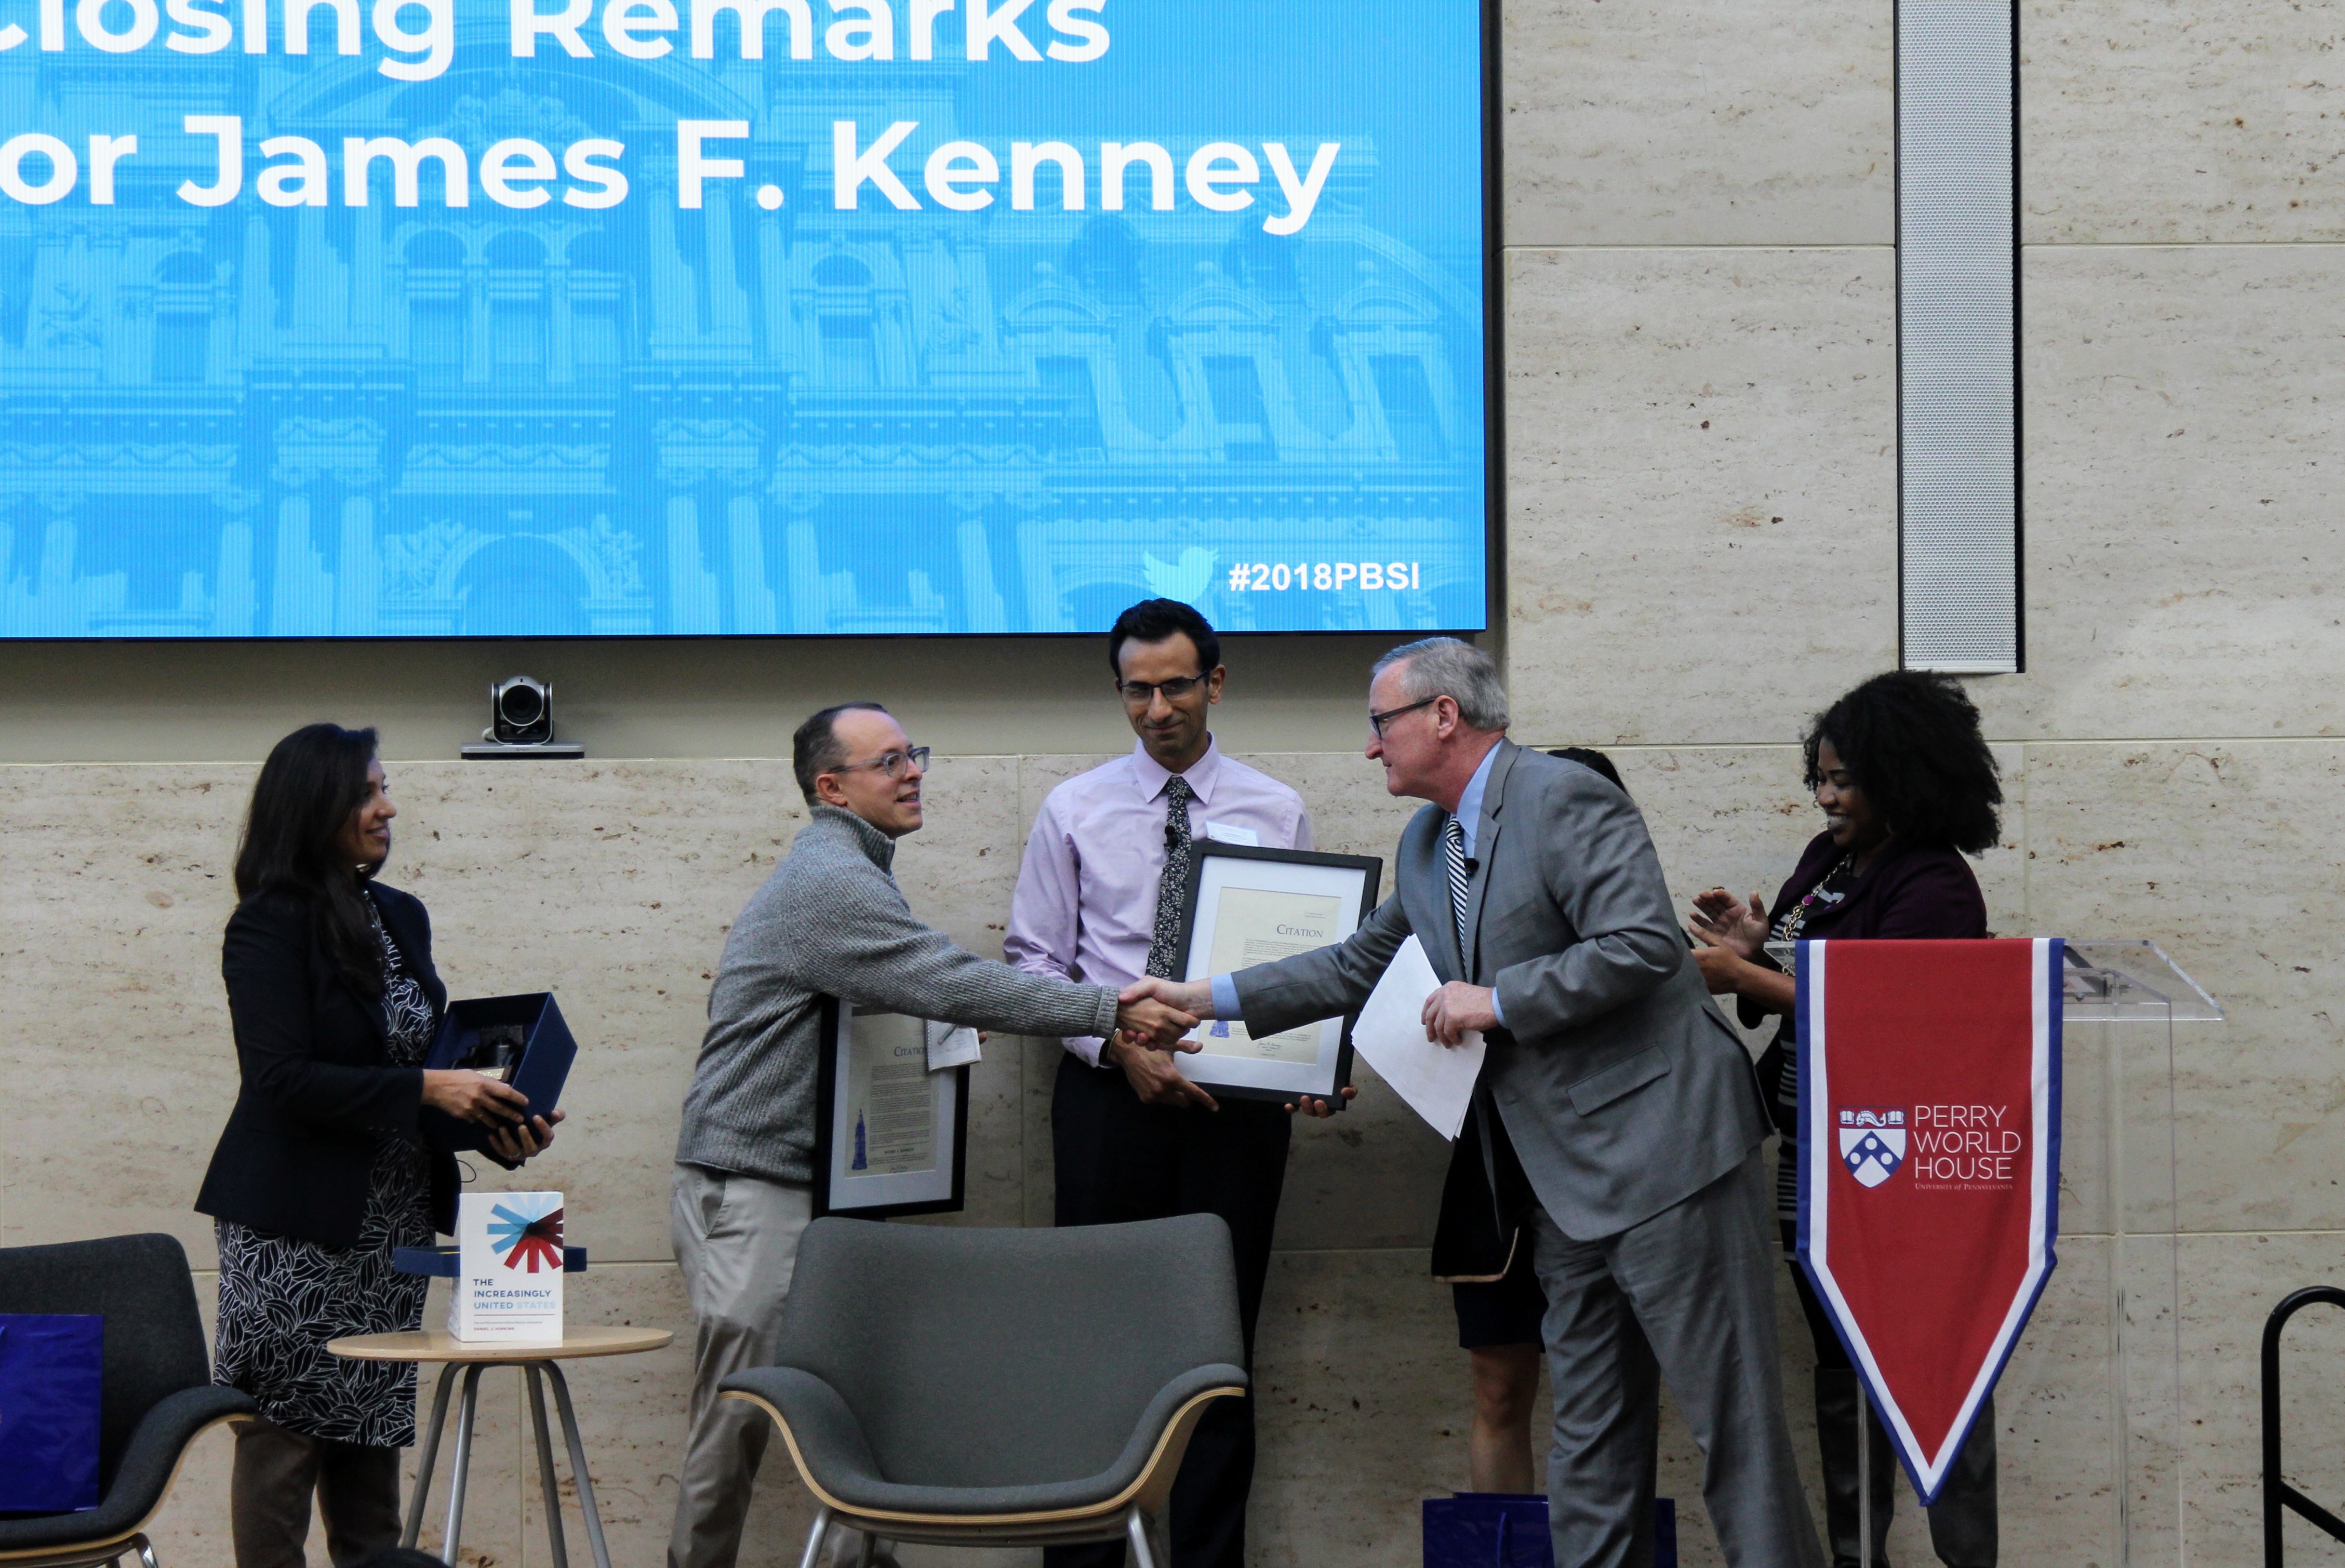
point(1720, 921)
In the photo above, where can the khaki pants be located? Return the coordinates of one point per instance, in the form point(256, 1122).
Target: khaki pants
point(276, 1474)
point(736, 1240)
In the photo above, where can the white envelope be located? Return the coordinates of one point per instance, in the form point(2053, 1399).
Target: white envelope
point(1438, 1081)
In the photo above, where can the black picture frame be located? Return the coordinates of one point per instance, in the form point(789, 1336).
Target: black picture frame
point(885, 1196)
point(1283, 1083)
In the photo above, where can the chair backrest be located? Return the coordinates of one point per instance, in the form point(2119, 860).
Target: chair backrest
point(153, 1334)
point(1008, 1358)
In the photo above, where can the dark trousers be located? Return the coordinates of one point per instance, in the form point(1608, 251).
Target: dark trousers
point(1962, 1521)
point(277, 1471)
point(1121, 1161)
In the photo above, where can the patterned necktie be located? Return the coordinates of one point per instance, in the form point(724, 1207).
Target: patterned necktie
point(1164, 947)
point(1453, 842)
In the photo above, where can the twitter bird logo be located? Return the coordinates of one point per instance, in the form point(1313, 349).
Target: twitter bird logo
point(1187, 581)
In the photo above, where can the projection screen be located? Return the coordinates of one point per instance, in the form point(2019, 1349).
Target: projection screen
point(657, 317)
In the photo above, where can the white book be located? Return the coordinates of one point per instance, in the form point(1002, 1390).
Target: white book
point(509, 1268)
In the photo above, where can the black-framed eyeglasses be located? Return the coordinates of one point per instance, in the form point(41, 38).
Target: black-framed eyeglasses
point(895, 765)
point(1140, 694)
point(1376, 721)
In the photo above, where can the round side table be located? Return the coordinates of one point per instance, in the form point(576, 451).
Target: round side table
point(473, 1357)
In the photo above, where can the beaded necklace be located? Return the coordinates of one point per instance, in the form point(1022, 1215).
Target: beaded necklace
point(1788, 929)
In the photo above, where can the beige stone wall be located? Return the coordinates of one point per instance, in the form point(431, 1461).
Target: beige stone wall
point(1700, 550)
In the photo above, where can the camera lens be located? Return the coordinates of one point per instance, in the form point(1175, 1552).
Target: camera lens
point(521, 705)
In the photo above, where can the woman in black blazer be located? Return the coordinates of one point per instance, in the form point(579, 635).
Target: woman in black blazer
point(322, 1169)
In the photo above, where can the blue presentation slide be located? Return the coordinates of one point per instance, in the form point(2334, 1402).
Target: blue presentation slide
point(738, 317)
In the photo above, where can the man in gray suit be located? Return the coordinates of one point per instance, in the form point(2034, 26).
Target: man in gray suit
point(1625, 1096)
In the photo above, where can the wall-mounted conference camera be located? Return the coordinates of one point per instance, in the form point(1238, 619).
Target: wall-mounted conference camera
point(521, 723)
point(520, 713)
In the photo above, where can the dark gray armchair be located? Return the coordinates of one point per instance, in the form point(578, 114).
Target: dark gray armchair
point(1000, 1388)
point(157, 1395)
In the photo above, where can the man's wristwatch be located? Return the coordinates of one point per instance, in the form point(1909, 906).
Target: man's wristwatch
point(1106, 1045)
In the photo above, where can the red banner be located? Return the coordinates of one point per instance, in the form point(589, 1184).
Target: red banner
point(1930, 1168)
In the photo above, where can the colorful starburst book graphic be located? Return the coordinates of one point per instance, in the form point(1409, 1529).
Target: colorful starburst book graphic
point(531, 1240)
point(508, 1286)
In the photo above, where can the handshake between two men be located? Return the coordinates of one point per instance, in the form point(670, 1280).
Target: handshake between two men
point(1156, 1013)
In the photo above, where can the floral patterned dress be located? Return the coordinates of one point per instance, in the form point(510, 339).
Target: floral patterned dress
point(281, 1299)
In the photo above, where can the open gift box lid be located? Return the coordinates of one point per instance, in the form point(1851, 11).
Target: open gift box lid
point(539, 1070)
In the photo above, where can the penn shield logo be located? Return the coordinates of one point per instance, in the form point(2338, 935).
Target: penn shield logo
point(1871, 1143)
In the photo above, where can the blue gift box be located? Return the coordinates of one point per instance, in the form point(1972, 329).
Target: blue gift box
point(1510, 1530)
point(51, 1372)
point(547, 1050)
point(447, 1262)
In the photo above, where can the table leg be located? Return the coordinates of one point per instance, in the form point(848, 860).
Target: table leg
point(461, 1467)
point(578, 1464)
point(545, 1468)
point(430, 1456)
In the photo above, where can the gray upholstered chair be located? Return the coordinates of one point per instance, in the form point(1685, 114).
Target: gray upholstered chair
point(1000, 1388)
point(157, 1397)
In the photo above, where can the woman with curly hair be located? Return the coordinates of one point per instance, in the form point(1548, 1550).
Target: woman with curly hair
point(1908, 787)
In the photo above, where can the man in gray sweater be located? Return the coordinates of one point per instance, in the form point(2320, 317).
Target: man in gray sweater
point(829, 922)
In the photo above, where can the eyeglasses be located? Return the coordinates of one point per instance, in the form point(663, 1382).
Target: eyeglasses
point(1140, 694)
point(895, 765)
point(1376, 721)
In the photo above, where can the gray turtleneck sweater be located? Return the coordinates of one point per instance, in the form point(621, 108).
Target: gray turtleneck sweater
point(831, 922)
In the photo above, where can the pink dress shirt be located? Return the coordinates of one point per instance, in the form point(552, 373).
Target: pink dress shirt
point(1085, 908)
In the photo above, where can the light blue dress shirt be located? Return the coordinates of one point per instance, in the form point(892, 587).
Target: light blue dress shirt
point(1469, 819)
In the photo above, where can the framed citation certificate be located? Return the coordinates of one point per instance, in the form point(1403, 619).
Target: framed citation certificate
point(1248, 906)
point(890, 1137)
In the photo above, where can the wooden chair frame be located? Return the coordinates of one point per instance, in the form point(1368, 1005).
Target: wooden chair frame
point(1135, 1514)
point(113, 1548)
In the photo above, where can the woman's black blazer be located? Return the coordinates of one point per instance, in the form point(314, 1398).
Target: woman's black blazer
point(318, 1090)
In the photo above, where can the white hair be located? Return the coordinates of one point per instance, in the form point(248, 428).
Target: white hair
point(1446, 667)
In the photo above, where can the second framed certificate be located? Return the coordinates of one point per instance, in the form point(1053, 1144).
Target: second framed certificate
point(1248, 906)
point(890, 1136)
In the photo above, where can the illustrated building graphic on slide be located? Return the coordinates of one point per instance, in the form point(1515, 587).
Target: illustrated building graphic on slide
point(429, 420)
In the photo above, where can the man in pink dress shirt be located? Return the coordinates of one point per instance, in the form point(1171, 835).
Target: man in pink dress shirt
point(1099, 899)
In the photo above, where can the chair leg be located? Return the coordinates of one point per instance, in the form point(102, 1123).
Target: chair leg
point(146, 1550)
point(1135, 1530)
point(813, 1558)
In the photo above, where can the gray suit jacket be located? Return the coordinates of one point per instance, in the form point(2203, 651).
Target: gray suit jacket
point(1623, 1090)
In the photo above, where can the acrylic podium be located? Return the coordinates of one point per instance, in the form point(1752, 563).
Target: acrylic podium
point(2118, 1221)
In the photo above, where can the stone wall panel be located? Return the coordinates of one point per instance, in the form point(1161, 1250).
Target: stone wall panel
point(1701, 469)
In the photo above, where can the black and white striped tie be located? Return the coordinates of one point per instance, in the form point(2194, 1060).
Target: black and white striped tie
point(1453, 840)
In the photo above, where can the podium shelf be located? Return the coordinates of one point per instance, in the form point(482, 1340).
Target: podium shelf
point(2119, 981)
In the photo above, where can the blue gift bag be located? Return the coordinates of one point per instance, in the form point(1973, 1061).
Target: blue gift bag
point(1506, 1530)
point(49, 1381)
